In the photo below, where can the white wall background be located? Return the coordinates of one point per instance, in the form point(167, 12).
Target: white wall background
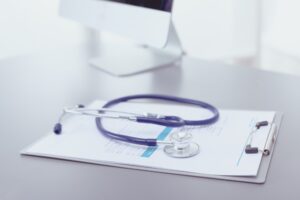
point(214, 29)
point(209, 29)
point(28, 26)
point(281, 36)
point(282, 25)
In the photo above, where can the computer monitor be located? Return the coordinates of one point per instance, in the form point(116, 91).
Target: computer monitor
point(148, 22)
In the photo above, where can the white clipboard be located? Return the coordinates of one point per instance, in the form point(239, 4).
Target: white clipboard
point(259, 178)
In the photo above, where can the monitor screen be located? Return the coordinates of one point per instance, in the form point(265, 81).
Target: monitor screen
point(164, 5)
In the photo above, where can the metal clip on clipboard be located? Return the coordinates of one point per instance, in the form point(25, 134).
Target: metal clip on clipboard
point(270, 140)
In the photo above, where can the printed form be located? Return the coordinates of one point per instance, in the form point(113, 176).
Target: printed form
point(222, 145)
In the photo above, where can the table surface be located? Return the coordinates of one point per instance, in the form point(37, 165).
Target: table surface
point(34, 88)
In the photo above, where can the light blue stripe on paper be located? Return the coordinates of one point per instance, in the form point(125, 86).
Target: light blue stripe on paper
point(149, 151)
point(162, 136)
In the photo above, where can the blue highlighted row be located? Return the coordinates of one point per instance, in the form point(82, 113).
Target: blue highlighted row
point(162, 136)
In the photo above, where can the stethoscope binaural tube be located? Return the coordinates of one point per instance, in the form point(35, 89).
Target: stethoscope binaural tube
point(152, 141)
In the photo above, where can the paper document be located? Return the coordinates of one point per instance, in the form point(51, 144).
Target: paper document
point(221, 144)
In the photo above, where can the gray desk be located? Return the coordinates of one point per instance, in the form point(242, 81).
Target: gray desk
point(33, 90)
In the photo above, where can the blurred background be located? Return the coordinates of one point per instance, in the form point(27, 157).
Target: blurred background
point(250, 33)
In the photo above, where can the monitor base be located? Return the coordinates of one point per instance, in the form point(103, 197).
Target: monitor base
point(122, 60)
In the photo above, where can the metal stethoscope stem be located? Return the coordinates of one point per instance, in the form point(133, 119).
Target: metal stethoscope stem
point(103, 113)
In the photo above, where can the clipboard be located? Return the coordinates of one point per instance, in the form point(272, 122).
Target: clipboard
point(260, 178)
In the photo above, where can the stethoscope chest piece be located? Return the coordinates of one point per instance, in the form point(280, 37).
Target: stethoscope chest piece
point(181, 146)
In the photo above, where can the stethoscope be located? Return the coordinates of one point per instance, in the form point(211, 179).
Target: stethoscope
point(179, 145)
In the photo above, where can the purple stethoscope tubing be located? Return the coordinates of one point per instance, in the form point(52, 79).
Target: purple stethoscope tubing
point(168, 121)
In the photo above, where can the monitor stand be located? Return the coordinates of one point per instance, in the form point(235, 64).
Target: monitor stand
point(126, 60)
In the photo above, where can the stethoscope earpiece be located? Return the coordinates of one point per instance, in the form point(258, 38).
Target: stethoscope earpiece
point(57, 128)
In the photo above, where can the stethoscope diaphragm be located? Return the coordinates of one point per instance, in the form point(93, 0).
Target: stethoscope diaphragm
point(182, 146)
